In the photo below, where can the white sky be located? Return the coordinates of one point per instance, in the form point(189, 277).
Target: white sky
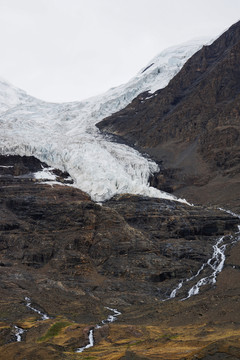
point(64, 50)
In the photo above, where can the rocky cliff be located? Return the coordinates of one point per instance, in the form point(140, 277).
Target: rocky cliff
point(72, 257)
point(192, 126)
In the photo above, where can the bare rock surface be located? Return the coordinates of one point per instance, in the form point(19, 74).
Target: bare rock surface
point(72, 257)
point(192, 126)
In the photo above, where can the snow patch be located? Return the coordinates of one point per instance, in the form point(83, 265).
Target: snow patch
point(45, 174)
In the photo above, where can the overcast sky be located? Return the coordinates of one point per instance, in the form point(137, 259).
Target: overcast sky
point(65, 50)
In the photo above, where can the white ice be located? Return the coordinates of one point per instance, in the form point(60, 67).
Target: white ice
point(45, 174)
point(65, 136)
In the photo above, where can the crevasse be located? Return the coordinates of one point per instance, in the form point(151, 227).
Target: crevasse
point(65, 136)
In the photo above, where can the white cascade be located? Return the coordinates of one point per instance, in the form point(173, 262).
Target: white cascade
point(44, 316)
point(215, 264)
point(110, 319)
point(18, 333)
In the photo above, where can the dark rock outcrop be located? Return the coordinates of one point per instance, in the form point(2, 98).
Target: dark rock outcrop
point(193, 125)
point(72, 257)
point(130, 246)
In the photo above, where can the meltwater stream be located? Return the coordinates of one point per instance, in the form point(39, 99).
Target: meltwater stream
point(18, 333)
point(110, 319)
point(215, 264)
point(43, 315)
point(18, 330)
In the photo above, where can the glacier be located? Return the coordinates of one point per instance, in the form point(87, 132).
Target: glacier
point(64, 135)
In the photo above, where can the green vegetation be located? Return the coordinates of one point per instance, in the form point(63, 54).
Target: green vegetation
point(169, 336)
point(54, 330)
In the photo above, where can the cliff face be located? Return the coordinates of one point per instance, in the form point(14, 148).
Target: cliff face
point(143, 241)
point(192, 126)
point(72, 257)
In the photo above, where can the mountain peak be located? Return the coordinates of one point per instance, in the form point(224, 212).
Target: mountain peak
point(192, 125)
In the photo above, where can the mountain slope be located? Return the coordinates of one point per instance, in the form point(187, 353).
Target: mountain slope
point(69, 264)
point(65, 136)
point(192, 125)
point(65, 261)
point(11, 96)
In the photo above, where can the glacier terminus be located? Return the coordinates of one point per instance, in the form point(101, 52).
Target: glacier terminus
point(65, 136)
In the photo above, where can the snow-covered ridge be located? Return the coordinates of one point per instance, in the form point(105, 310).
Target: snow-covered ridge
point(11, 96)
point(161, 69)
point(65, 135)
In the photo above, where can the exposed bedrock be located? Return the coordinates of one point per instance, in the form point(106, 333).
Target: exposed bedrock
point(72, 257)
point(192, 126)
point(131, 245)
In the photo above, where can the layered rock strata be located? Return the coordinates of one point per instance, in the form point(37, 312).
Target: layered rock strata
point(192, 126)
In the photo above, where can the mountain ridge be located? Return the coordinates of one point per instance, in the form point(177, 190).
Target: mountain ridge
point(192, 125)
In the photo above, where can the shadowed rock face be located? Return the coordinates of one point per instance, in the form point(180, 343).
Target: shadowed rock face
point(72, 257)
point(192, 126)
point(142, 241)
